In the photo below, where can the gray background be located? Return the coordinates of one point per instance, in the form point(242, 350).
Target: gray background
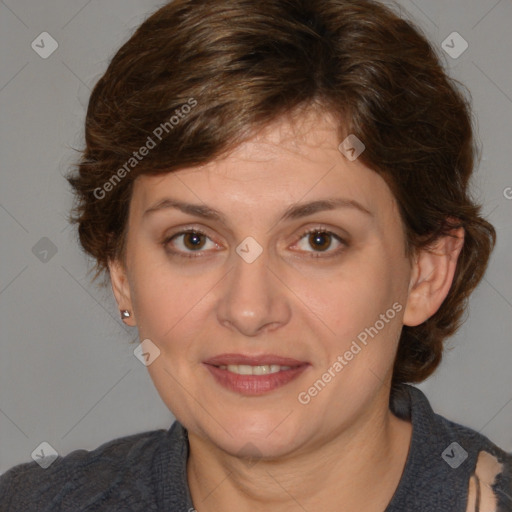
point(68, 375)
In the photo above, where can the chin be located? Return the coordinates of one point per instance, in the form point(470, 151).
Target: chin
point(260, 440)
point(257, 449)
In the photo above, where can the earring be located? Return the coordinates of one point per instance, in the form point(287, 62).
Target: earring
point(125, 314)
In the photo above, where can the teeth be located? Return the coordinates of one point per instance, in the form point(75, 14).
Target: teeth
point(245, 369)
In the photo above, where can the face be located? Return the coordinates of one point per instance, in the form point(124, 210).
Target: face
point(275, 293)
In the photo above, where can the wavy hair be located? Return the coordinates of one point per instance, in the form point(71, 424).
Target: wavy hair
point(243, 64)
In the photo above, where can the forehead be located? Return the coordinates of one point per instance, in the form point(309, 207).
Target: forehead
point(287, 162)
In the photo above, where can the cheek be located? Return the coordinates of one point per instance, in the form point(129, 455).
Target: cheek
point(351, 296)
point(359, 309)
point(169, 303)
point(158, 296)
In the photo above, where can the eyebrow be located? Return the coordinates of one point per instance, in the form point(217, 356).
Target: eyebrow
point(295, 211)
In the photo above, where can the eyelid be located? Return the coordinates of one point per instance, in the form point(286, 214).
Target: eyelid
point(183, 231)
point(187, 229)
point(321, 228)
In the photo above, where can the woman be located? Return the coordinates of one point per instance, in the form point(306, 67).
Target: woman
point(278, 192)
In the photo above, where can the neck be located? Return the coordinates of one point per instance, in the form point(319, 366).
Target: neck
point(335, 474)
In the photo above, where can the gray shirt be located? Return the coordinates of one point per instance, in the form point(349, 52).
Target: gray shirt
point(147, 471)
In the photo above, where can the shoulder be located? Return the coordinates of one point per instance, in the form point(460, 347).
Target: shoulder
point(121, 467)
point(469, 467)
point(490, 484)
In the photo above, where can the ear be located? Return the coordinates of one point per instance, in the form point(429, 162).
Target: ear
point(121, 289)
point(432, 276)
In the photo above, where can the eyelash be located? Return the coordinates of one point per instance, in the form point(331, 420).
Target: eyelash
point(314, 254)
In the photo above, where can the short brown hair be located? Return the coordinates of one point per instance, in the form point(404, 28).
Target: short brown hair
point(242, 64)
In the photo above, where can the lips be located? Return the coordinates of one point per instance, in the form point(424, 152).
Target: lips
point(240, 359)
point(254, 375)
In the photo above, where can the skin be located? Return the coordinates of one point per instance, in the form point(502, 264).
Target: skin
point(344, 450)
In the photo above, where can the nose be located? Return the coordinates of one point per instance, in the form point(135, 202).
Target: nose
point(253, 300)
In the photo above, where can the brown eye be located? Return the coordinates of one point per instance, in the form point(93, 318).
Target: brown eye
point(320, 240)
point(193, 240)
point(317, 241)
point(185, 243)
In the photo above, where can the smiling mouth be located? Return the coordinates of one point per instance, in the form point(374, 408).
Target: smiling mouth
point(245, 369)
point(248, 375)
